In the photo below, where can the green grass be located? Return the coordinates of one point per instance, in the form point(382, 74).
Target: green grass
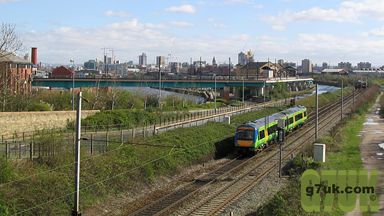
point(121, 169)
point(343, 153)
point(345, 146)
point(324, 98)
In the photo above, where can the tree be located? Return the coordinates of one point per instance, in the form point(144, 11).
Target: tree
point(9, 45)
point(10, 42)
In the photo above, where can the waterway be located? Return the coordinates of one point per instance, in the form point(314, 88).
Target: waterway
point(325, 88)
point(155, 92)
point(197, 99)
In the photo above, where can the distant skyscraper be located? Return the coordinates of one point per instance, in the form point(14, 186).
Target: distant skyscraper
point(160, 60)
point(280, 61)
point(175, 67)
point(306, 66)
point(250, 56)
point(143, 60)
point(325, 65)
point(214, 62)
point(91, 65)
point(242, 58)
point(364, 65)
point(109, 60)
point(345, 65)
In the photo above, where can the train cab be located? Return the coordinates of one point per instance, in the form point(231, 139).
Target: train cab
point(245, 136)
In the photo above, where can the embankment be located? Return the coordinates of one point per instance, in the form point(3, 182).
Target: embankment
point(11, 122)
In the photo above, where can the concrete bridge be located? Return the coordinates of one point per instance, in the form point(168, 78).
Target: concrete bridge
point(167, 83)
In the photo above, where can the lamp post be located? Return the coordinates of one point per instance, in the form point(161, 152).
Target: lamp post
point(243, 90)
point(76, 206)
point(73, 84)
point(215, 92)
point(159, 82)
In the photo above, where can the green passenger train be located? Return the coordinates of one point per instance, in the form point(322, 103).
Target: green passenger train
point(254, 135)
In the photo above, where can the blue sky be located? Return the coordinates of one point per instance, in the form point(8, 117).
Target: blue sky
point(323, 31)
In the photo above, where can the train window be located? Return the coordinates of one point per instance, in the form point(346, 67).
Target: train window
point(261, 135)
point(290, 120)
point(245, 135)
point(305, 113)
point(272, 129)
point(299, 116)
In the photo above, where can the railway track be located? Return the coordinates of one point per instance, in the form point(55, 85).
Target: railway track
point(220, 199)
point(227, 191)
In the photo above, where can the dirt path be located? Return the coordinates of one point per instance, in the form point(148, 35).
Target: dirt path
point(372, 155)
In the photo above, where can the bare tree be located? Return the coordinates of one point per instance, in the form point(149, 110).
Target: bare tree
point(10, 42)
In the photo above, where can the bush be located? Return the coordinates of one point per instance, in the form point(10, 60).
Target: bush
point(6, 171)
point(40, 106)
point(3, 210)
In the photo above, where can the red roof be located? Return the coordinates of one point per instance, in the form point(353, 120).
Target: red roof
point(62, 72)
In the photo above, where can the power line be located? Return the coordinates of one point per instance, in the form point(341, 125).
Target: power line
point(112, 177)
point(87, 159)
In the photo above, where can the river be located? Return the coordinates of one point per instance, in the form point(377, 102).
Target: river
point(197, 99)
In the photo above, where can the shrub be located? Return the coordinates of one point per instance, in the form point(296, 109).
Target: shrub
point(6, 171)
point(40, 106)
point(3, 210)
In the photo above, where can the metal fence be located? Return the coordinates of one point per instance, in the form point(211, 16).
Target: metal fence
point(49, 143)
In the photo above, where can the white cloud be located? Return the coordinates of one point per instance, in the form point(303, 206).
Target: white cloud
point(111, 13)
point(7, 1)
point(378, 32)
point(182, 9)
point(132, 37)
point(216, 23)
point(180, 24)
point(348, 11)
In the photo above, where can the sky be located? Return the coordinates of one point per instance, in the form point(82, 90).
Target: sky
point(323, 31)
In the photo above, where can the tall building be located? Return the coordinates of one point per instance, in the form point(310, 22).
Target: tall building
point(175, 67)
point(214, 62)
point(345, 65)
point(306, 66)
point(242, 58)
point(250, 56)
point(143, 60)
point(198, 64)
point(160, 60)
point(280, 61)
point(90, 65)
point(324, 65)
point(109, 60)
point(364, 65)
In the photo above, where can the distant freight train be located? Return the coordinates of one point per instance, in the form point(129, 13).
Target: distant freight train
point(254, 135)
point(360, 84)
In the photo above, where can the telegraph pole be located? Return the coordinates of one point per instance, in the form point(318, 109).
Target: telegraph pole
point(342, 99)
point(264, 90)
point(281, 136)
point(75, 211)
point(73, 84)
point(243, 90)
point(159, 80)
point(317, 112)
point(229, 68)
point(200, 72)
point(353, 99)
point(215, 94)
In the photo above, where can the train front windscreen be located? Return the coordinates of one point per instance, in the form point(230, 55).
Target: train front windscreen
point(245, 137)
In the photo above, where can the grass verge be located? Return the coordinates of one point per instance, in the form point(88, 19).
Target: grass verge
point(45, 187)
point(343, 153)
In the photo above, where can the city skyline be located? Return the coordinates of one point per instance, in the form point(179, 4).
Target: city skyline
point(327, 31)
